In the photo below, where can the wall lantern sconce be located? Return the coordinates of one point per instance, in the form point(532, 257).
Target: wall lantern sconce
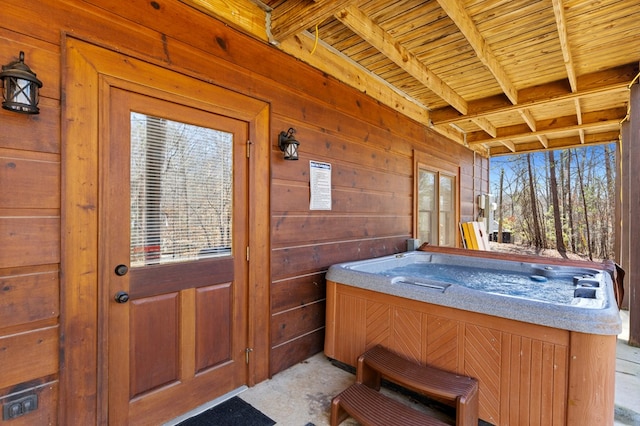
point(288, 144)
point(20, 87)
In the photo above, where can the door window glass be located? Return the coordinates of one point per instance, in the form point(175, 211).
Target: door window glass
point(181, 191)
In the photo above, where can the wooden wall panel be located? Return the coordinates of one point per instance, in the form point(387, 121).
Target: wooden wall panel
point(288, 294)
point(47, 412)
point(297, 322)
point(305, 346)
point(302, 260)
point(370, 148)
point(298, 230)
point(34, 182)
point(350, 197)
point(27, 295)
point(30, 234)
point(30, 355)
point(29, 239)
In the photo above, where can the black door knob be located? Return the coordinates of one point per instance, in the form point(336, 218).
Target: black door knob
point(122, 297)
point(121, 270)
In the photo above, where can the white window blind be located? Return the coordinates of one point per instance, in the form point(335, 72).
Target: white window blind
point(181, 191)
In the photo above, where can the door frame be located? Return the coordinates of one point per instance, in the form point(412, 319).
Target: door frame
point(88, 72)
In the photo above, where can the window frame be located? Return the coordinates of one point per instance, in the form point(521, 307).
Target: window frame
point(438, 166)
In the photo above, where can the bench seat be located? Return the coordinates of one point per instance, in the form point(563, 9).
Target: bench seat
point(460, 392)
point(371, 408)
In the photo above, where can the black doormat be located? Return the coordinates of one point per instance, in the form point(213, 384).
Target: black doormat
point(232, 412)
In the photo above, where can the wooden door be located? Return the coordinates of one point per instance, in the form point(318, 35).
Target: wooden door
point(173, 252)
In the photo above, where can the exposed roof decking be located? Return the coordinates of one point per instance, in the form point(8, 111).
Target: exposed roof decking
point(474, 70)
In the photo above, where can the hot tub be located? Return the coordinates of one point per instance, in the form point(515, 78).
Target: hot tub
point(538, 334)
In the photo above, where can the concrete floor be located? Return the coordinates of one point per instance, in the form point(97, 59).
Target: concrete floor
point(301, 395)
point(627, 378)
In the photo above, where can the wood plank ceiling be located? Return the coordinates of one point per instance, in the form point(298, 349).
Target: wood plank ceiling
point(499, 76)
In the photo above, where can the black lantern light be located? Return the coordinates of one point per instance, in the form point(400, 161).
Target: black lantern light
point(288, 144)
point(20, 87)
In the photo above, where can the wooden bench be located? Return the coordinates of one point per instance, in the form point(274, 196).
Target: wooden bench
point(371, 408)
point(460, 392)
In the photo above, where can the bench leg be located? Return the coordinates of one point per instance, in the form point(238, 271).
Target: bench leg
point(338, 414)
point(467, 411)
point(367, 375)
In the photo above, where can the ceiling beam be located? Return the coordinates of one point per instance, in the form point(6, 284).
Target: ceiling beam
point(560, 143)
point(545, 141)
point(528, 118)
point(458, 14)
point(549, 125)
point(509, 144)
point(486, 125)
point(561, 24)
point(614, 81)
point(294, 16)
point(596, 125)
point(579, 116)
point(334, 63)
point(374, 34)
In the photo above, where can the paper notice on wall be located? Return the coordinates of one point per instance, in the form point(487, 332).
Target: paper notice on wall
point(320, 176)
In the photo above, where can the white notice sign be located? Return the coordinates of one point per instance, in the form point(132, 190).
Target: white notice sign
point(320, 175)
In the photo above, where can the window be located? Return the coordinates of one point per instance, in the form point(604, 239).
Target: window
point(181, 186)
point(436, 213)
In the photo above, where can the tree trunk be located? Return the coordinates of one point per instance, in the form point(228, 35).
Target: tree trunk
point(553, 186)
point(609, 163)
point(537, 234)
point(569, 194)
point(584, 205)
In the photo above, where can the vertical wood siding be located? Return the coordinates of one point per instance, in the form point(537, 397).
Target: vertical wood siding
point(369, 146)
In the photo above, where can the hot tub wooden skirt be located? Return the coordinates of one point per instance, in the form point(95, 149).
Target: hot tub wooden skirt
point(527, 373)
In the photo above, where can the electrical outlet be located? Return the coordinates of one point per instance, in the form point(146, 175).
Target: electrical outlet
point(19, 407)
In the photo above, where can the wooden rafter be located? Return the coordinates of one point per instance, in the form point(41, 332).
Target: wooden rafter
point(545, 141)
point(561, 23)
point(487, 114)
point(514, 136)
point(295, 16)
point(556, 143)
point(486, 125)
point(612, 81)
point(336, 64)
point(579, 115)
point(509, 144)
point(456, 11)
point(362, 25)
point(528, 118)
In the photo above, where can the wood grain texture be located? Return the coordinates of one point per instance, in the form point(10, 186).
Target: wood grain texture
point(31, 355)
point(155, 344)
point(370, 147)
point(528, 374)
point(29, 296)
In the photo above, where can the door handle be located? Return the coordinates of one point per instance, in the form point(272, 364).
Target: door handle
point(121, 270)
point(122, 297)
